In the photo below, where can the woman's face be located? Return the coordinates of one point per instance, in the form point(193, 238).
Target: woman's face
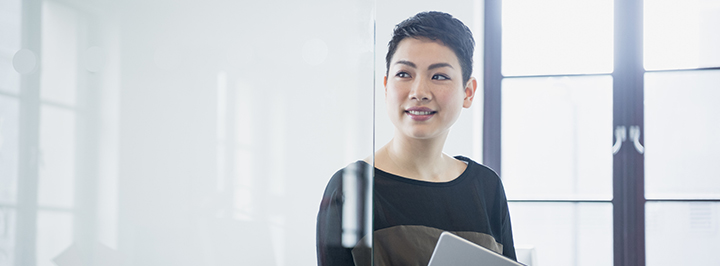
point(424, 90)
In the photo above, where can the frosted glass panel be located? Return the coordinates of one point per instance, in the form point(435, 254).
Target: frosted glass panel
point(57, 157)
point(564, 234)
point(59, 53)
point(681, 34)
point(186, 132)
point(54, 235)
point(557, 137)
point(682, 125)
point(682, 233)
point(557, 37)
point(8, 149)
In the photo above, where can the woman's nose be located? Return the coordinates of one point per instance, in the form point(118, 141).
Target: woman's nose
point(420, 91)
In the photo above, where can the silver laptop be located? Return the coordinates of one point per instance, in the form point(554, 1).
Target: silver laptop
point(452, 250)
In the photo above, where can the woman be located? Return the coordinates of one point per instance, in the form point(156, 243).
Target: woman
point(419, 191)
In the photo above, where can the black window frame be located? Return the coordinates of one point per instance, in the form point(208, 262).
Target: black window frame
point(628, 96)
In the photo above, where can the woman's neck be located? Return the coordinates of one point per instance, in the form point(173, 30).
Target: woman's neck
point(420, 159)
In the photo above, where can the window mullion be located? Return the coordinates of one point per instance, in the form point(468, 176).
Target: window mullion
point(628, 163)
point(492, 81)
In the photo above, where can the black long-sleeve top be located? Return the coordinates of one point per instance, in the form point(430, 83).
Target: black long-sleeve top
point(409, 215)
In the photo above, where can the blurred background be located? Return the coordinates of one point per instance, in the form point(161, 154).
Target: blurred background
point(204, 132)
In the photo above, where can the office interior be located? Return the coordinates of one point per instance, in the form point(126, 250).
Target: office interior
point(204, 132)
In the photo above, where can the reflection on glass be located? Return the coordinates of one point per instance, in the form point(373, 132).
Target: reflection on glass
point(564, 234)
point(557, 137)
point(557, 37)
point(9, 78)
point(8, 149)
point(57, 157)
point(7, 236)
point(682, 233)
point(344, 221)
point(243, 197)
point(59, 53)
point(681, 34)
point(54, 236)
point(9, 44)
point(681, 139)
point(243, 179)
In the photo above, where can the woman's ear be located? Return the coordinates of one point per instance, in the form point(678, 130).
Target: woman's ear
point(470, 89)
point(385, 85)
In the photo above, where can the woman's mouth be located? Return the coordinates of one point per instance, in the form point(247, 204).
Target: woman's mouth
point(420, 113)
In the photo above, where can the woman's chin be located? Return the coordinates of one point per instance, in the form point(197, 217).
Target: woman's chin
point(422, 135)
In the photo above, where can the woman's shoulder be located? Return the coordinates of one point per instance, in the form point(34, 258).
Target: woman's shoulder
point(486, 179)
point(479, 170)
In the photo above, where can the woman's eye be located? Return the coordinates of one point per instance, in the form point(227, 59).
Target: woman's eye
point(439, 77)
point(402, 75)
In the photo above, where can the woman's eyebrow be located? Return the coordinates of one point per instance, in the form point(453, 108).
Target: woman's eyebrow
point(439, 65)
point(431, 67)
point(408, 63)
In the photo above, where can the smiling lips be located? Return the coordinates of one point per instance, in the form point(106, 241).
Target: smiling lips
point(420, 113)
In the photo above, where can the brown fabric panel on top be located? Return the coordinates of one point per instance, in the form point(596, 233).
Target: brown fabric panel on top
point(412, 245)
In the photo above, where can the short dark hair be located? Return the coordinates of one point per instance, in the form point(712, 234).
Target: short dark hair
point(436, 26)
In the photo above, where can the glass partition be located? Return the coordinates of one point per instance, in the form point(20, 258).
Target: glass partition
point(181, 133)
